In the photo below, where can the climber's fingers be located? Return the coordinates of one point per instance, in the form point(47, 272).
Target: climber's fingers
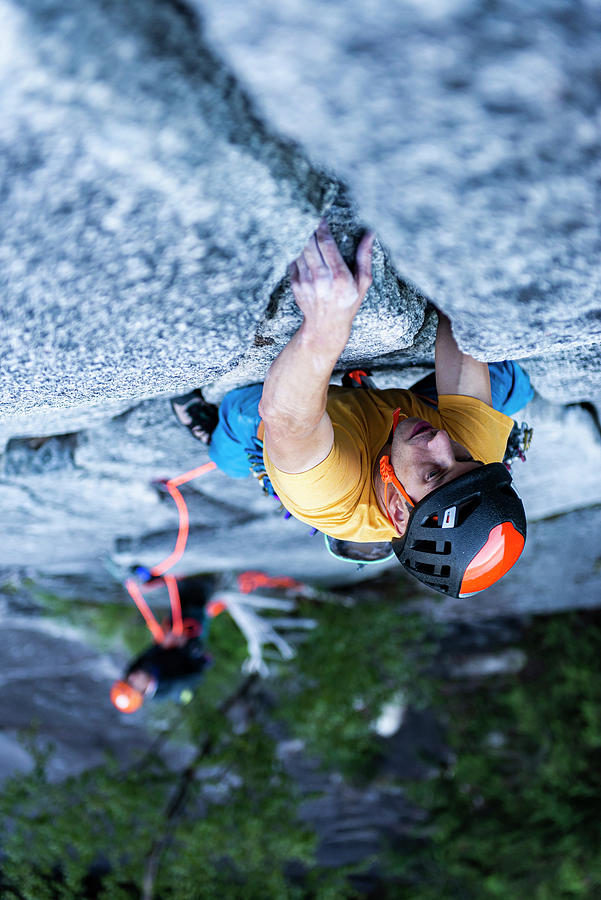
point(299, 284)
point(324, 288)
point(363, 274)
point(329, 252)
point(317, 266)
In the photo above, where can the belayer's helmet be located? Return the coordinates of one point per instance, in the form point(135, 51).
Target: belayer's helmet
point(125, 697)
point(466, 534)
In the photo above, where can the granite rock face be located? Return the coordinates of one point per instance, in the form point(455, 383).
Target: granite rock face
point(148, 215)
point(161, 163)
point(469, 134)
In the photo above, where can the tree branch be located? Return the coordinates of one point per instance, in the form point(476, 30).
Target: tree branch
point(179, 797)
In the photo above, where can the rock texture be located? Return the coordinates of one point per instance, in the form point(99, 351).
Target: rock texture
point(151, 208)
point(157, 178)
point(148, 214)
point(161, 163)
point(469, 134)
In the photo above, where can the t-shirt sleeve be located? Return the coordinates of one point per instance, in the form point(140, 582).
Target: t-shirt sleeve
point(334, 484)
point(477, 426)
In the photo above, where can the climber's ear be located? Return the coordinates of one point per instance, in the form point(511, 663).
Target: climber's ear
point(398, 509)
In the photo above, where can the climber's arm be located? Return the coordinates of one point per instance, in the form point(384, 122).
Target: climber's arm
point(298, 430)
point(457, 372)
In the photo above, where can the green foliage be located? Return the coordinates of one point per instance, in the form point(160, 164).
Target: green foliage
point(518, 813)
point(103, 812)
point(106, 624)
point(358, 658)
point(235, 834)
point(238, 826)
point(241, 844)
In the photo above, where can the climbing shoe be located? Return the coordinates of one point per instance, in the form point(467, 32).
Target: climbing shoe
point(196, 414)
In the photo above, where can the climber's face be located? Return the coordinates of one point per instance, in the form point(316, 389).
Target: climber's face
point(424, 457)
point(140, 680)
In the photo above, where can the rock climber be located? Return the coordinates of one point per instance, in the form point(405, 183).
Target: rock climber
point(172, 667)
point(421, 468)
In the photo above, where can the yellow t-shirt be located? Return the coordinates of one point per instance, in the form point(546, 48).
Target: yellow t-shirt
point(337, 496)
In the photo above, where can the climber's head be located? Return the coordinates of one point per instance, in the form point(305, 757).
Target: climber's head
point(128, 693)
point(466, 534)
point(125, 697)
point(461, 524)
point(422, 458)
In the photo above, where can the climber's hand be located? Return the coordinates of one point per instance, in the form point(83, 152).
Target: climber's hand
point(326, 291)
point(298, 431)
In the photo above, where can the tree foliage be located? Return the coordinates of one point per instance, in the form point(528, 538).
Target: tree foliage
point(517, 814)
point(357, 660)
point(226, 824)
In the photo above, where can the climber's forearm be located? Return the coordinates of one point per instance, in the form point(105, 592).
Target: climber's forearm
point(458, 372)
point(298, 431)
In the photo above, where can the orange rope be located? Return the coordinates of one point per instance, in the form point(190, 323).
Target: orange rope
point(152, 624)
point(176, 606)
point(193, 473)
point(249, 581)
point(182, 535)
point(133, 589)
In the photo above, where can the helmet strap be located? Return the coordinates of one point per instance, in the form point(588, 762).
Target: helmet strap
point(388, 476)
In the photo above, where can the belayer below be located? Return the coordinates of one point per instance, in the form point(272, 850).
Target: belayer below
point(419, 468)
point(173, 668)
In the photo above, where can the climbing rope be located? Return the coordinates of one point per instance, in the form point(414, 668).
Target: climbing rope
point(247, 581)
point(133, 587)
point(184, 519)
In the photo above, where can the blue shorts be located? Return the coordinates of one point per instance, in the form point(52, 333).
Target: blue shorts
point(236, 449)
point(510, 387)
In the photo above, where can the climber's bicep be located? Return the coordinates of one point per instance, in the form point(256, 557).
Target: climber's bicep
point(329, 491)
point(294, 450)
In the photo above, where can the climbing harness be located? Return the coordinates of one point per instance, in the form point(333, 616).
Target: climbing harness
point(359, 378)
point(518, 444)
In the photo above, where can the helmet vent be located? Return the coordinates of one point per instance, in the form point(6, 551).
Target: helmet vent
point(430, 521)
point(425, 568)
point(440, 548)
point(433, 570)
point(466, 508)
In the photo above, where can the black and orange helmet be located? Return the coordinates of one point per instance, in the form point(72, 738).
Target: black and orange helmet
point(465, 535)
point(125, 697)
